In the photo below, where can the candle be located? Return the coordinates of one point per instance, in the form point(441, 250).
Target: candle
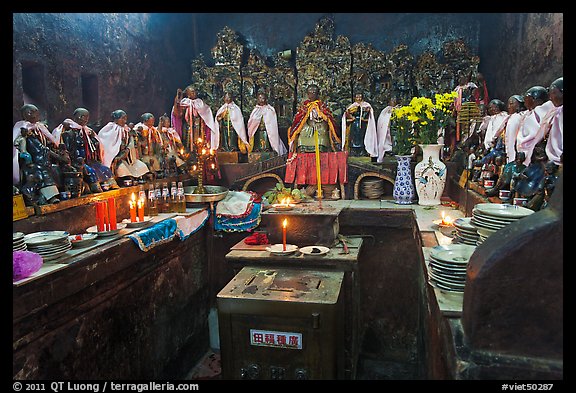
point(141, 210)
point(106, 217)
point(133, 208)
point(99, 217)
point(318, 179)
point(112, 213)
point(446, 220)
point(284, 224)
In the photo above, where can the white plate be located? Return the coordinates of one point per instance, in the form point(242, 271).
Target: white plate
point(447, 267)
point(17, 236)
point(463, 223)
point(45, 237)
point(483, 224)
point(453, 253)
point(310, 250)
point(283, 207)
point(443, 287)
point(277, 249)
point(85, 239)
point(503, 210)
point(93, 229)
point(137, 224)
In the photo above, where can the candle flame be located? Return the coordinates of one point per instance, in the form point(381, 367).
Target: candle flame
point(199, 140)
point(194, 167)
point(211, 152)
point(203, 151)
point(284, 223)
point(133, 197)
point(181, 151)
point(213, 166)
point(446, 220)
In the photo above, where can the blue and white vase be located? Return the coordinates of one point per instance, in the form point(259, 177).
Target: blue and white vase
point(430, 176)
point(403, 187)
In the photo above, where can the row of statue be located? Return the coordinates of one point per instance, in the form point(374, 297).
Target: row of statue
point(519, 145)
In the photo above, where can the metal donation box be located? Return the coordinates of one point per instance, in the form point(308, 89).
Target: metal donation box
point(282, 324)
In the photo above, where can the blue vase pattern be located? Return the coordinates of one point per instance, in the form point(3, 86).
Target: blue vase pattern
point(403, 187)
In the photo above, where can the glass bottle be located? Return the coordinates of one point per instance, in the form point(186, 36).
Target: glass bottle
point(151, 205)
point(158, 195)
point(165, 198)
point(173, 198)
point(181, 198)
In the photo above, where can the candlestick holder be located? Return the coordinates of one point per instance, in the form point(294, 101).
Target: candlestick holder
point(205, 158)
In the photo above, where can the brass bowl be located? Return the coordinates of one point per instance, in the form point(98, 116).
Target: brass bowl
point(213, 194)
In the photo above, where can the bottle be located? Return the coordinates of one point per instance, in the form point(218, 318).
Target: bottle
point(165, 198)
point(158, 195)
point(181, 198)
point(151, 205)
point(142, 197)
point(173, 198)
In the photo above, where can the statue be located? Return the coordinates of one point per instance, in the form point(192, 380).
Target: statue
point(510, 171)
point(38, 158)
point(229, 130)
point(171, 144)
point(313, 116)
point(120, 148)
point(554, 130)
point(151, 144)
point(81, 141)
point(510, 125)
point(359, 129)
point(384, 135)
point(192, 118)
point(263, 128)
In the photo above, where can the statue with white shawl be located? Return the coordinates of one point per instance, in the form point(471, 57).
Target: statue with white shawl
point(359, 129)
point(39, 147)
point(384, 136)
point(192, 118)
point(229, 129)
point(85, 149)
point(120, 148)
point(263, 132)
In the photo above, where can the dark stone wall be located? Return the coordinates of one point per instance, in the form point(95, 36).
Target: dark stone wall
point(521, 50)
point(136, 60)
point(274, 32)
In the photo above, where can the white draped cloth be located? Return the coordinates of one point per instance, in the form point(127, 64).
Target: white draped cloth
point(268, 114)
point(198, 106)
point(528, 134)
point(371, 137)
point(555, 129)
point(237, 121)
point(40, 130)
point(384, 136)
point(493, 126)
point(110, 139)
point(512, 128)
point(86, 131)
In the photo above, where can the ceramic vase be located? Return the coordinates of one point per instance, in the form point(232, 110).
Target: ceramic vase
point(403, 186)
point(430, 176)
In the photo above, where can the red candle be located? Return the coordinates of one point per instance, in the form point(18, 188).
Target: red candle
point(132, 211)
point(106, 217)
point(99, 217)
point(140, 210)
point(112, 213)
point(284, 223)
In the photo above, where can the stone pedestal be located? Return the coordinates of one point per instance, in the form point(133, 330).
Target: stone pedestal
point(307, 225)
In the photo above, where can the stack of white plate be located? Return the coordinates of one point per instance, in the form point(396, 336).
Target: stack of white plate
point(490, 217)
point(447, 266)
point(18, 243)
point(465, 232)
point(49, 244)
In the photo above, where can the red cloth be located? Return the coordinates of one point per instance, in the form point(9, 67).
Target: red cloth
point(257, 238)
point(302, 170)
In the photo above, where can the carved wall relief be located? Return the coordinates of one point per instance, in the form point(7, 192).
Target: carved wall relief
point(371, 75)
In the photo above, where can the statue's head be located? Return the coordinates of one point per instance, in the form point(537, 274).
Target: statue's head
point(81, 116)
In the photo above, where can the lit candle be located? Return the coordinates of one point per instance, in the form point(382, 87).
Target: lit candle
point(133, 208)
point(141, 210)
point(446, 220)
point(203, 151)
point(284, 224)
point(213, 167)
